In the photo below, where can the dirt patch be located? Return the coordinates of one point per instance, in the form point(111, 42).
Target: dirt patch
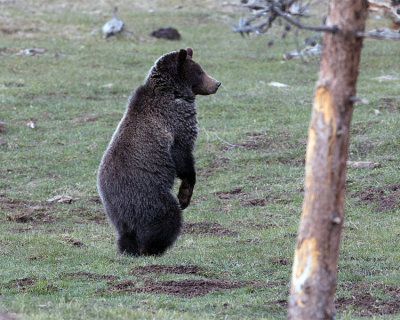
point(7, 316)
point(18, 30)
point(290, 235)
point(14, 85)
point(91, 276)
point(361, 300)
point(254, 225)
point(84, 215)
point(220, 162)
point(178, 269)
point(249, 241)
point(287, 159)
point(21, 217)
point(249, 202)
point(85, 118)
point(230, 194)
point(361, 150)
point(205, 172)
point(43, 217)
point(22, 230)
point(22, 283)
point(207, 228)
point(25, 284)
point(261, 202)
point(283, 303)
point(74, 242)
point(387, 197)
point(38, 257)
point(187, 288)
point(389, 104)
point(94, 199)
point(256, 202)
point(361, 128)
point(23, 211)
point(364, 259)
point(283, 261)
point(366, 303)
point(264, 140)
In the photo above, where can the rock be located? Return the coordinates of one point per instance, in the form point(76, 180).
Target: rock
point(168, 33)
point(277, 84)
point(113, 26)
point(31, 51)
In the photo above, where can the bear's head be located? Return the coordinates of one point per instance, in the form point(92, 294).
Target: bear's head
point(194, 76)
point(178, 70)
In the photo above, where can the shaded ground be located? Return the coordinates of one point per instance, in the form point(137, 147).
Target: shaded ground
point(230, 194)
point(362, 298)
point(39, 212)
point(26, 284)
point(187, 288)
point(361, 128)
point(7, 316)
point(279, 260)
point(207, 228)
point(26, 211)
point(387, 197)
point(389, 104)
point(22, 283)
point(246, 201)
point(91, 276)
point(261, 202)
point(178, 269)
point(266, 140)
point(74, 242)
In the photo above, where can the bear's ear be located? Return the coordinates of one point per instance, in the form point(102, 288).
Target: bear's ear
point(190, 52)
point(182, 56)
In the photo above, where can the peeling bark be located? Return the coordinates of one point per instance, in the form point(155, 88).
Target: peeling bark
point(314, 271)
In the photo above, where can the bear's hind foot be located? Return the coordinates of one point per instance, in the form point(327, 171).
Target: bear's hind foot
point(127, 244)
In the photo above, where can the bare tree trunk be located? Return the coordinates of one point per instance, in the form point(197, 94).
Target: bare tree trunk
point(314, 271)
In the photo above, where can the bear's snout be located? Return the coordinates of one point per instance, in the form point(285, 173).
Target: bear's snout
point(208, 85)
point(217, 85)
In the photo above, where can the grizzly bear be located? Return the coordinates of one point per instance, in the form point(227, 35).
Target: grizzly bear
point(152, 145)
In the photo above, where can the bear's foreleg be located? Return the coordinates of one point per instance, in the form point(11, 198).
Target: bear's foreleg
point(185, 170)
point(185, 194)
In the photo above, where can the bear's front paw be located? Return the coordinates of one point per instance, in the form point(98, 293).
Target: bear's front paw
point(184, 195)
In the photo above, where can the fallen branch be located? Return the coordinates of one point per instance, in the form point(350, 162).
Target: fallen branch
point(274, 9)
point(380, 34)
point(289, 19)
point(226, 142)
point(359, 100)
point(269, 10)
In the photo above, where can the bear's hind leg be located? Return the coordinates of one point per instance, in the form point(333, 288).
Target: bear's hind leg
point(162, 234)
point(127, 244)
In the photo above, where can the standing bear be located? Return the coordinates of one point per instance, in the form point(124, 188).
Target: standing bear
point(152, 145)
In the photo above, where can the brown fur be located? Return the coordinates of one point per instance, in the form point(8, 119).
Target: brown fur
point(152, 145)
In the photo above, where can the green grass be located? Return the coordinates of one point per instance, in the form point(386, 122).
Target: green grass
point(66, 92)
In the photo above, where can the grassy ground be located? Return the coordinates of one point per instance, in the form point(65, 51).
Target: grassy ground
point(233, 260)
